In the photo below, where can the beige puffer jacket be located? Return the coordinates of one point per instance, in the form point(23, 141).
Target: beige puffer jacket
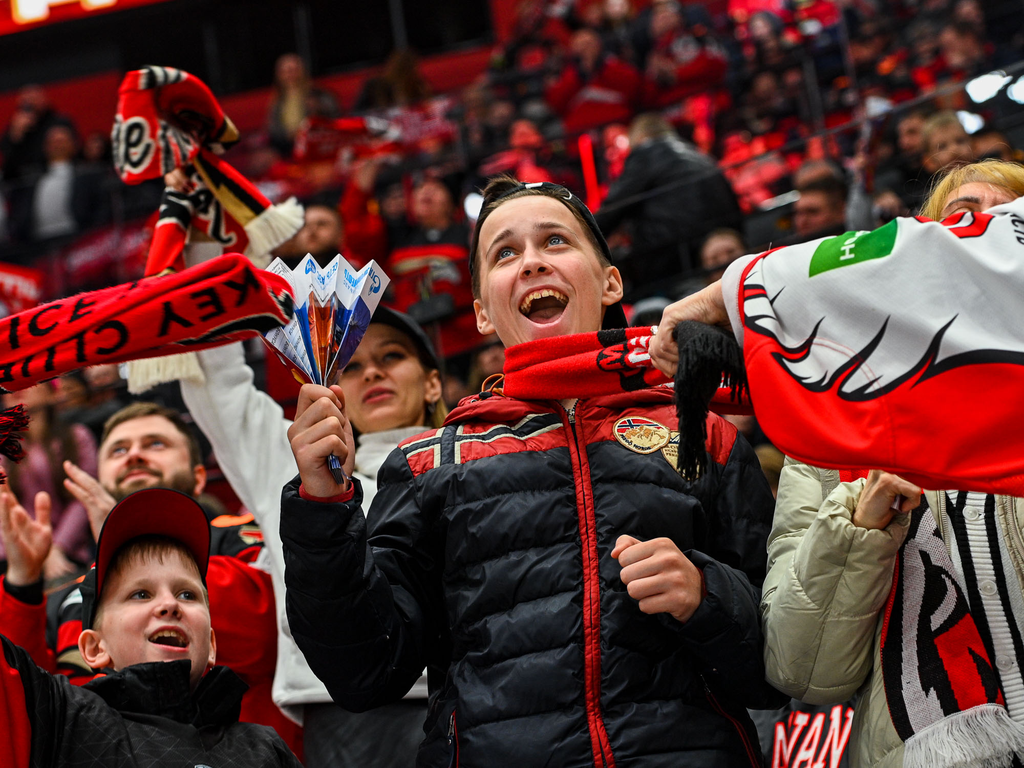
point(823, 600)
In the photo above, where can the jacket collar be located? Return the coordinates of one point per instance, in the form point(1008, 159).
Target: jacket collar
point(162, 688)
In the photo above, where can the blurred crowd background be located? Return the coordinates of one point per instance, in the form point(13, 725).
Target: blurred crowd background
point(696, 131)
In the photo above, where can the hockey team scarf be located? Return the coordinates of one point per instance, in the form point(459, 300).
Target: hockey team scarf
point(168, 119)
point(214, 303)
point(611, 361)
point(944, 694)
point(899, 349)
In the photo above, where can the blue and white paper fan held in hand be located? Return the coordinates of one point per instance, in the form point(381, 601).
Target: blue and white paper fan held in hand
point(333, 307)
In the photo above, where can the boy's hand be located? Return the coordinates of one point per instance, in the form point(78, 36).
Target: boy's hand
point(94, 497)
point(660, 577)
point(28, 541)
point(877, 504)
point(319, 430)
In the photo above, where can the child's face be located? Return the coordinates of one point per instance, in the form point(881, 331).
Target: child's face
point(154, 609)
point(946, 146)
point(532, 246)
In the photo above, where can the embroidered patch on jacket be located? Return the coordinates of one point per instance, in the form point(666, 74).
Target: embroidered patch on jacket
point(641, 435)
point(671, 450)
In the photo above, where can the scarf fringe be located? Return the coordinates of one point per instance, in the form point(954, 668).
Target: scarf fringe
point(709, 358)
point(981, 737)
point(272, 227)
point(143, 375)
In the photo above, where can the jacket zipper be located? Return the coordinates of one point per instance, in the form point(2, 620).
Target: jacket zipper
point(601, 746)
point(453, 742)
point(752, 754)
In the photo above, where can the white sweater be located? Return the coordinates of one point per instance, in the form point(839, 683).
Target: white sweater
point(249, 435)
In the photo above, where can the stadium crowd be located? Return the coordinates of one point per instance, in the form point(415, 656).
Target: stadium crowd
point(695, 139)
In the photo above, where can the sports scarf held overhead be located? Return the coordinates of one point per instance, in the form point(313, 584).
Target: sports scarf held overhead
point(168, 119)
point(900, 349)
point(214, 303)
point(612, 361)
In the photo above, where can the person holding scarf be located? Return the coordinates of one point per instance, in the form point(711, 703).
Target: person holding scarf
point(907, 598)
point(575, 601)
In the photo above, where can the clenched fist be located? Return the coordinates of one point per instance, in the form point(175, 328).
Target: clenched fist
point(660, 577)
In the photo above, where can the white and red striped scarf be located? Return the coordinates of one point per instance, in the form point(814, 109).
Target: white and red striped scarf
point(951, 642)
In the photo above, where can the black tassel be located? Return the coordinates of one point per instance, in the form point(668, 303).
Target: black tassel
point(13, 421)
point(709, 358)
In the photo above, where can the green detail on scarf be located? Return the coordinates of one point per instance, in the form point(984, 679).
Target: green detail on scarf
point(853, 248)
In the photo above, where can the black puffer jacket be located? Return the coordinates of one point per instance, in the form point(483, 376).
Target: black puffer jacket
point(489, 561)
point(144, 716)
point(671, 196)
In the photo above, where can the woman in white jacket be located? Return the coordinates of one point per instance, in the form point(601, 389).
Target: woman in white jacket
point(392, 389)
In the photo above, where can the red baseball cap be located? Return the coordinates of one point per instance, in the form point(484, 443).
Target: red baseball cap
point(149, 512)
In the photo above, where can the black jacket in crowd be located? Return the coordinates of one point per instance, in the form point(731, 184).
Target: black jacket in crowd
point(144, 716)
point(486, 558)
point(671, 196)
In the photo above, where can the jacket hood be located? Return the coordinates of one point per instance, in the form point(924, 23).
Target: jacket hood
point(161, 688)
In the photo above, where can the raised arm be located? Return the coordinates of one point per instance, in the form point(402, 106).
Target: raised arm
point(828, 579)
point(361, 614)
point(249, 435)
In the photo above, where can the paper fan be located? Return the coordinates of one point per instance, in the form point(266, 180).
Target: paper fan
point(333, 307)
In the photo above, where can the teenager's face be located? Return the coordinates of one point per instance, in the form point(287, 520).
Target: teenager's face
point(385, 384)
point(976, 196)
point(154, 609)
point(539, 274)
point(148, 452)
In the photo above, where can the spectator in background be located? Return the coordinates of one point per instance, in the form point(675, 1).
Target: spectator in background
point(904, 176)
point(321, 235)
point(617, 28)
point(295, 99)
point(429, 270)
point(720, 249)
point(401, 84)
point(48, 442)
point(765, 104)
point(990, 142)
point(67, 198)
point(669, 197)
point(944, 143)
point(522, 158)
point(22, 142)
point(594, 88)
point(963, 51)
point(821, 209)
point(680, 62)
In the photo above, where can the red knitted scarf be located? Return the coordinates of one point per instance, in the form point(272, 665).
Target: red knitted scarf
point(582, 365)
point(214, 303)
point(593, 364)
point(167, 119)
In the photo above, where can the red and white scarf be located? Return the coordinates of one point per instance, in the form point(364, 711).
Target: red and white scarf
point(899, 349)
point(950, 645)
point(169, 119)
point(220, 301)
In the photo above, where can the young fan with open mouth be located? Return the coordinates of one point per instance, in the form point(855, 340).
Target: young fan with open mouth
point(146, 621)
point(575, 601)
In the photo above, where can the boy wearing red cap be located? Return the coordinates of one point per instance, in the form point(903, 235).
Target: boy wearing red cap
point(146, 618)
